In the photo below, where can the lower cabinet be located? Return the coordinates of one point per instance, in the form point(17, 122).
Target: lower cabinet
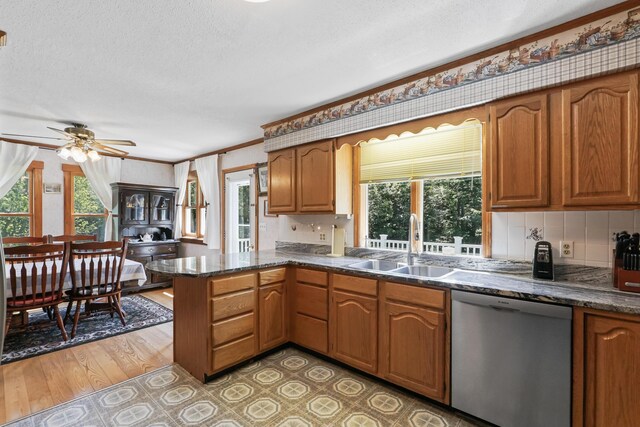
point(147, 252)
point(354, 330)
point(414, 345)
point(273, 315)
point(606, 369)
point(310, 310)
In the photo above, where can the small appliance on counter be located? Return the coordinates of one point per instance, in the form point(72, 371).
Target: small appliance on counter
point(337, 241)
point(626, 262)
point(543, 261)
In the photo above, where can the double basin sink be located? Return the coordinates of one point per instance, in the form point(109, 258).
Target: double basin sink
point(402, 268)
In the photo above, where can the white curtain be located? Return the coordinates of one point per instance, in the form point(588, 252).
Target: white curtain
point(100, 175)
point(207, 168)
point(14, 161)
point(181, 173)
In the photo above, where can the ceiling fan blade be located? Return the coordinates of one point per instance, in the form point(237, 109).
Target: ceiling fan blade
point(68, 135)
point(108, 149)
point(116, 142)
point(33, 136)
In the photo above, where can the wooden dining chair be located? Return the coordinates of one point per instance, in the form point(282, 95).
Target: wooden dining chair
point(36, 278)
point(63, 238)
point(95, 270)
point(29, 240)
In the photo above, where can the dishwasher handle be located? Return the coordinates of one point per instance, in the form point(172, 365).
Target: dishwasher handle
point(512, 305)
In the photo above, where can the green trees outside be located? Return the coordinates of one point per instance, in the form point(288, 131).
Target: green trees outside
point(451, 207)
point(16, 201)
point(85, 201)
point(244, 201)
point(389, 210)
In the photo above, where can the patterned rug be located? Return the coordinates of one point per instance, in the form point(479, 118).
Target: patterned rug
point(42, 335)
point(286, 389)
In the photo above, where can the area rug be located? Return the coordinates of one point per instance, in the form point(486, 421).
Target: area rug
point(286, 389)
point(42, 335)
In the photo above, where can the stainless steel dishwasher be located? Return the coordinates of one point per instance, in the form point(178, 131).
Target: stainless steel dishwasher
point(511, 360)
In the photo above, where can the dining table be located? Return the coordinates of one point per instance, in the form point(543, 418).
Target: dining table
point(131, 271)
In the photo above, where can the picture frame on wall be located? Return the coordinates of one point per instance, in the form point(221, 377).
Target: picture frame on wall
point(52, 188)
point(263, 180)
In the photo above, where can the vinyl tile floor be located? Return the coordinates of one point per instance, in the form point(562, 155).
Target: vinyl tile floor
point(289, 388)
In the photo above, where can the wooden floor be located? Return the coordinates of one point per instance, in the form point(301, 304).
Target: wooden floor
point(34, 384)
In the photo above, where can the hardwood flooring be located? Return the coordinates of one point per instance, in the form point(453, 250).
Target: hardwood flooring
point(38, 383)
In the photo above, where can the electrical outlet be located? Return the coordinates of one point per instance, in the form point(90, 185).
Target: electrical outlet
point(263, 226)
point(566, 249)
point(323, 236)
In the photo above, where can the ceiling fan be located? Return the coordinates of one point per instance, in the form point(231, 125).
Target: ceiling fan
point(82, 144)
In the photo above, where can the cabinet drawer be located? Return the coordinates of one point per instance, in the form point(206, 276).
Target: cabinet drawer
point(310, 332)
point(232, 284)
point(355, 284)
point(232, 305)
point(414, 295)
point(233, 352)
point(273, 276)
point(312, 301)
point(311, 276)
point(231, 329)
point(159, 249)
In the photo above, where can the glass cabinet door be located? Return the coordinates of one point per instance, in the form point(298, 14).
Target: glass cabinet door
point(161, 208)
point(135, 207)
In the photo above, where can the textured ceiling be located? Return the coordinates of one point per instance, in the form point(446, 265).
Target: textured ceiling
point(185, 77)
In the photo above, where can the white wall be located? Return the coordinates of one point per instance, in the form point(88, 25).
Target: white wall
point(591, 232)
point(133, 171)
point(267, 226)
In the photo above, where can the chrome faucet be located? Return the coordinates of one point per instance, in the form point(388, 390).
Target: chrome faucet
point(414, 235)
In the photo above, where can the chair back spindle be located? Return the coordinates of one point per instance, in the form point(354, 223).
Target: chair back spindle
point(100, 267)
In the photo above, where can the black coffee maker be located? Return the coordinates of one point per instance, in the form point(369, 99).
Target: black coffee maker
point(543, 261)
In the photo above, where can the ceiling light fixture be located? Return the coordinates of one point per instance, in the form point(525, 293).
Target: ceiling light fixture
point(79, 152)
point(3, 38)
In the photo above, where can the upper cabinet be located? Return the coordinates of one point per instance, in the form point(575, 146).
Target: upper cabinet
point(312, 178)
point(315, 177)
point(600, 141)
point(519, 145)
point(282, 182)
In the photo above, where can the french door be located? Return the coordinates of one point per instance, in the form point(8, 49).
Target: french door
point(240, 211)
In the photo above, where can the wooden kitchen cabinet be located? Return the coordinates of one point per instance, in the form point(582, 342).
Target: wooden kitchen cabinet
point(311, 178)
point(273, 309)
point(310, 310)
point(519, 147)
point(600, 141)
point(414, 343)
point(282, 181)
point(606, 369)
point(353, 322)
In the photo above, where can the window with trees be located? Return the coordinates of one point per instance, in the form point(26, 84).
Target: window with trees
point(194, 209)
point(21, 207)
point(84, 213)
point(436, 175)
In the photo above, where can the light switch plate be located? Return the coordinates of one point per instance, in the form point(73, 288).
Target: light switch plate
point(566, 249)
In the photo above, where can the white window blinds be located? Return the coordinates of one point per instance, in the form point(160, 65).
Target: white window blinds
point(446, 152)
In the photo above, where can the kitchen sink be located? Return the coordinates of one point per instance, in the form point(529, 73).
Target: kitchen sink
point(423, 270)
point(376, 264)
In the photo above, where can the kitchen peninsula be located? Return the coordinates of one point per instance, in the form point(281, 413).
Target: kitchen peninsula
point(231, 308)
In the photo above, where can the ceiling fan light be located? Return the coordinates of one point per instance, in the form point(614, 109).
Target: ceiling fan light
point(93, 155)
point(65, 153)
point(78, 155)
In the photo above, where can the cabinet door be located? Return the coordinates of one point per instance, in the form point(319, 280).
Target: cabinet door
point(412, 341)
point(135, 207)
point(315, 177)
point(520, 152)
point(282, 181)
point(273, 330)
point(161, 208)
point(354, 330)
point(611, 371)
point(600, 141)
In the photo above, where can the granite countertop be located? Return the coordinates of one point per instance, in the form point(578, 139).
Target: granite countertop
point(575, 285)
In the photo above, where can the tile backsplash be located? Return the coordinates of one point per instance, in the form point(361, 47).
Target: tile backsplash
point(309, 228)
point(513, 234)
